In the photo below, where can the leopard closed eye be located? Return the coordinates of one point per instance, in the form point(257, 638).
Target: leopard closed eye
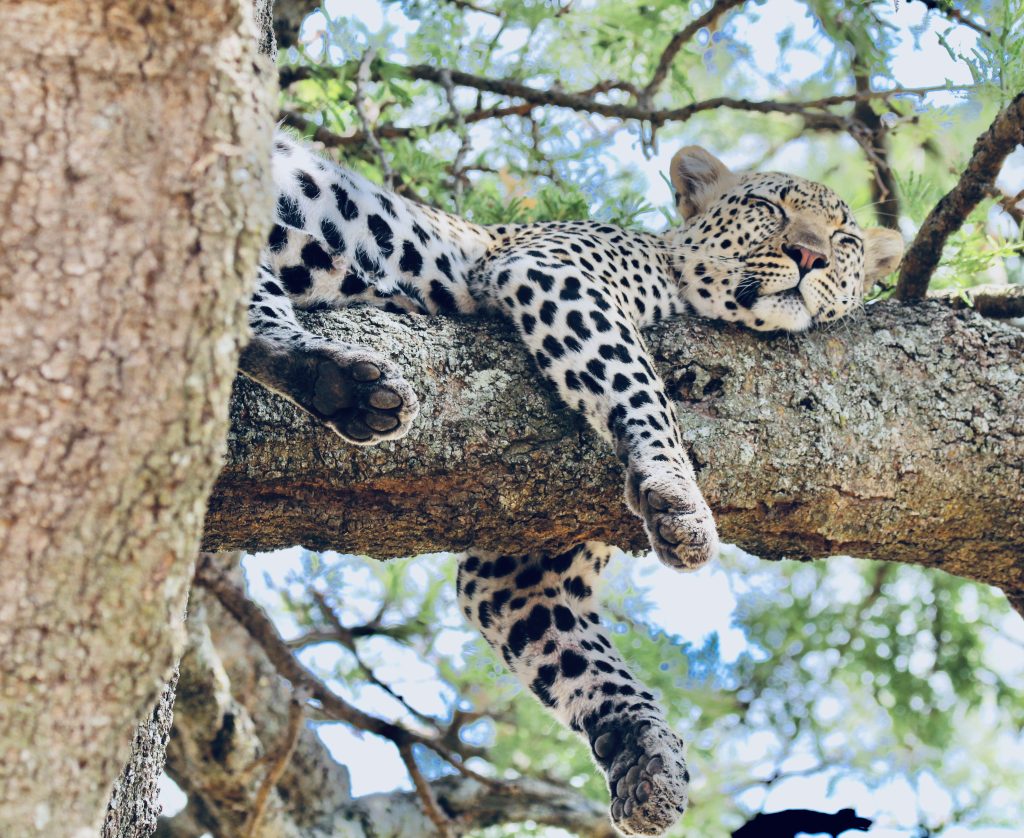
point(766, 250)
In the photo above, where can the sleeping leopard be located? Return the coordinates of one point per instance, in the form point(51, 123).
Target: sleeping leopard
point(770, 251)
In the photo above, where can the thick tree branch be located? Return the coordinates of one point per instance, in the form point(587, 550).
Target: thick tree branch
point(854, 441)
point(1004, 134)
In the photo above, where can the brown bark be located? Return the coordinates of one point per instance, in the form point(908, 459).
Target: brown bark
point(1004, 301)
point(134, 198)
point(990, 150)
point(898, 435)
point(869, 131)
point(134, 806)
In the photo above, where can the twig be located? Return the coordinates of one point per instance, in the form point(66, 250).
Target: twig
point(346, 637)
point(473, 7)
point(253, 619)
point(1010, 204)
point(278, 763)
point(458, 178)
point(1004, 134)
point(362, 80)
point(425, 793)
point(947, 9)
point(687, 33)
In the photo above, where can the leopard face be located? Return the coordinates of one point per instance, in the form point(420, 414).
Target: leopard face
point(769, 250)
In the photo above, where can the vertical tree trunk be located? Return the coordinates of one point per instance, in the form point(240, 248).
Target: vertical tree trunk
point(134, 141)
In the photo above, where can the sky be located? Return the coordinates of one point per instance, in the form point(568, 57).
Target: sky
point(700, 604)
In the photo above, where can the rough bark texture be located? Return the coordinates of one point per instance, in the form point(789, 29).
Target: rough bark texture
point(133, 808)
point(897, 436)
point(134, 195)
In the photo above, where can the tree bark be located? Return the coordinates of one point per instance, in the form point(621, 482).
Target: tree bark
point(135, 192)
point(134, 807)
point(898, 435)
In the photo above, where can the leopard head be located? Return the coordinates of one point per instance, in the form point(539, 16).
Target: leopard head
point(769, 250)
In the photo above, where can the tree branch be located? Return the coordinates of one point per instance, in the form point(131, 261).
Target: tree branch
point(1004, 134)
point(212, 576)
point(948, 10)
point(682, 37)
point(849, 441)
point(585, 103)
point(1000, 301)
point(232, 701)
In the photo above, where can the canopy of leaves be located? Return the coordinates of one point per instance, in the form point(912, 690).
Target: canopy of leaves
point(472, 146)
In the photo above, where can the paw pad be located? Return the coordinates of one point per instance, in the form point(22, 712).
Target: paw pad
point(679, 523)
point(359, 395)
point(647, 776)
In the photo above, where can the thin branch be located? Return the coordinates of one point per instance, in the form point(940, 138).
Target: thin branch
point(1010, 204)
point(583, 101)
point(330, 139)
point(259, 626)
point(425, 793)
point(578, 102)
point(362, 81)
point(278, 763)
point(1004, 134)
point(870, 133)
point(683, 36)
point(459, 124)
point(346, 637)
point(948, 10)
point(473, 7)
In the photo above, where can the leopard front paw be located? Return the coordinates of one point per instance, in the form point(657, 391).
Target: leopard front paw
point(678, 521)
point(648, 781)
point(357, 393)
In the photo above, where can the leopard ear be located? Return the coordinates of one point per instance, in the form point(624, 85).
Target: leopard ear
point(698, 178)
point(883, 249)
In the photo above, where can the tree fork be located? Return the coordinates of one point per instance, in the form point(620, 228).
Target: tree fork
point(897, 435)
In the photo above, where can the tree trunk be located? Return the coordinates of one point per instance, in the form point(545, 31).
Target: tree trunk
point(135, 193)
point(898, 435)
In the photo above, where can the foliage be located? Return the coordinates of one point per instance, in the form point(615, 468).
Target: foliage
point(859, 674)
point(545, 163)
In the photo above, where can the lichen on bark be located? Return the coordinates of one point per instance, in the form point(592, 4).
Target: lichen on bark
point(896, 435)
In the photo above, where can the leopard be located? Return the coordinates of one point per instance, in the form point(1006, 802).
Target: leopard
point(768, 251)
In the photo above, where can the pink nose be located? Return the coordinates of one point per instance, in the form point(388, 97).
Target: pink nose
point(805, 258)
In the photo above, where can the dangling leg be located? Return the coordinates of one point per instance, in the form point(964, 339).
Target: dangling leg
point(355, 391)
point(540, 614)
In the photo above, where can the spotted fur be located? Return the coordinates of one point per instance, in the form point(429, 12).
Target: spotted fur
point(769, 251)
